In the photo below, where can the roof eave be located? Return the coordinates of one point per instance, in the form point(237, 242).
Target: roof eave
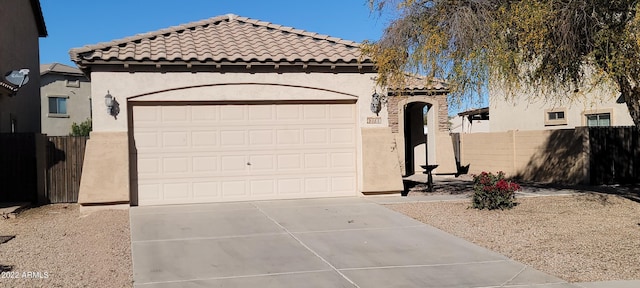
point(86, 66)
point(37, 14)
point(474, 112)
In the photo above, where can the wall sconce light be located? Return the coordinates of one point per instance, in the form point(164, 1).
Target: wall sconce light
point(108, 101)
point(377, 101)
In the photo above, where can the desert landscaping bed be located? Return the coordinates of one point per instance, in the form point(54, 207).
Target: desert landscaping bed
point(580, 238)
point(57, 246)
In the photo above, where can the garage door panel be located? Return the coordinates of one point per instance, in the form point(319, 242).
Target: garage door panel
point(149, 192)
point(316, 160)
point(233, 137)
point(317, 185)
point(288, 137)
point(262, 187)
point(261, 137)
point(149, 139)
point(315, 136)
point(262, 162)
point(234, 163)
point(342, 160)
point(255, 162)
point(147, 115)
point(288, 112)
point(290, 186)
point(205, 114)
point(175, 165)
point(174, 114)
point(205, 164)
point(343, 184)
point(176, 191)
point(232, 113)
point(314, 112)
point(342, 136)
point(206, 190)
point(341, 112)
point(175, 139)
point(288, 161)
point(204, 139)
point(261, 112)
point(211, 153)
point(234, 188)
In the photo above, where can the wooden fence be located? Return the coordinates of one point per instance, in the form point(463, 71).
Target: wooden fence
point(65, 155)
point(18, 168)
point(614, 155)
point(36, 168)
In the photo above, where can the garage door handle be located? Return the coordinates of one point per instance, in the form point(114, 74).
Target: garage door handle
point(249, 163)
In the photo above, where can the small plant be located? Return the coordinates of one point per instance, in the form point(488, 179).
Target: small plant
point(81, 130)
point(493, 191)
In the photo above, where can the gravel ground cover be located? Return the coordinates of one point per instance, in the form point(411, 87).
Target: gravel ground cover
point(581, 238)
point(56, 246)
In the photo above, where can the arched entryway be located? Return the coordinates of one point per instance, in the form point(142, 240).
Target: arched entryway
point(418, 144)
point(416, 136)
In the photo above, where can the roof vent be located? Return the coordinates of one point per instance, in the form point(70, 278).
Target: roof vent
point(230, 16)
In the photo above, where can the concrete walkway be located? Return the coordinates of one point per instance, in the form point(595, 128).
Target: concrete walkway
point(341, 242)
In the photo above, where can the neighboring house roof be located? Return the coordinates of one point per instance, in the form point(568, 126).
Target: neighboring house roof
point(227, 39)
point(58, 68)
point(473, 112)
point(37, 14)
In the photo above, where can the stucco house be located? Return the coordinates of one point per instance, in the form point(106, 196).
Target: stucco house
point(592, 106)
point(65, 98)
point(471, 121)
point(232, 108)
point(21, 24)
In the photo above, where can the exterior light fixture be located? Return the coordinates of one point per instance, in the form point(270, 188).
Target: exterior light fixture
point(108, 101)
point(377, 101)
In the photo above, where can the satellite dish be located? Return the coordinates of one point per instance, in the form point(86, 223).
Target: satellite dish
point(18, 77)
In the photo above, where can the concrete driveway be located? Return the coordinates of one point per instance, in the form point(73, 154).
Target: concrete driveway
point(338, 242)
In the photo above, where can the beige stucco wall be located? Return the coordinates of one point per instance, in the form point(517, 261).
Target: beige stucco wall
point(542, 155)
point(19, 49)
point(381, 167)
point(211, 86)
point(78, 103)
point(105, 172)
point(526, 111)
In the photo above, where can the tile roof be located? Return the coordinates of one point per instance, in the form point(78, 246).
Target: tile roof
point(60, 69)
point(223, 39)
point(415, 83)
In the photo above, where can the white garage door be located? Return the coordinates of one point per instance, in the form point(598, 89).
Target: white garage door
point(217, 153)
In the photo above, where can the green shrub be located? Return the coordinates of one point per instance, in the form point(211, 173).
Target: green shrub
point(81, 130)
point(493, 191)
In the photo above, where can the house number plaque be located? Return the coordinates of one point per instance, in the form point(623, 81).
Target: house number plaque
point(374, 120)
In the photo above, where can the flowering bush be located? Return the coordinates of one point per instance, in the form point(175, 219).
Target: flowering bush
point(493, 191)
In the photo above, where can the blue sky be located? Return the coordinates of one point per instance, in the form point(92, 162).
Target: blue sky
point(75, 23)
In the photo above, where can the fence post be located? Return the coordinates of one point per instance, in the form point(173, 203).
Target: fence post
point(41, 167)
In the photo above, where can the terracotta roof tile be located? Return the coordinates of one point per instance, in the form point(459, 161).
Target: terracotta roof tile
point(227, 38)
point(421, 83)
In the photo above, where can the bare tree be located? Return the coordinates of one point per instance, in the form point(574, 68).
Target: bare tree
point(554, 46)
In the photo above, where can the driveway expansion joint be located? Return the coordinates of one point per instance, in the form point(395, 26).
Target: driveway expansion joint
point(309, 248)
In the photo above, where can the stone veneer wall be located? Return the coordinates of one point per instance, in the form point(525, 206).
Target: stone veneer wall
point(443, 111)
